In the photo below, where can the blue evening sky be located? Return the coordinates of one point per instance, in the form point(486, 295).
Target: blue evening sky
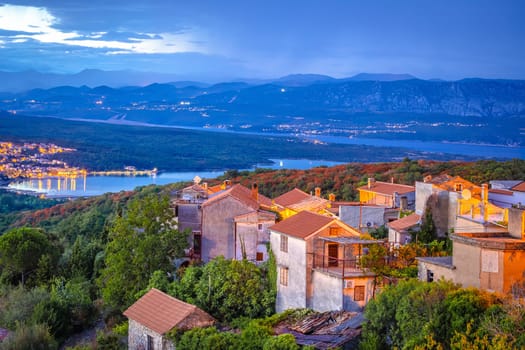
point(227, 39)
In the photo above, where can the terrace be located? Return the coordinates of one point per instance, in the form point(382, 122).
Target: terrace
point(341, 256)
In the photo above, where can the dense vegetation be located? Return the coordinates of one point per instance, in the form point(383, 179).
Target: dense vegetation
point(420, 315)
point(343, 180)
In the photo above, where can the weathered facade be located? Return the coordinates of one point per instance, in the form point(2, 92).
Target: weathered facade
point(318, 264)
point(234, 224)
point(493, 261)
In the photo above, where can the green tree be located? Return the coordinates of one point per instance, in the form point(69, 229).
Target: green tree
point(207, 339)
point(227, 289)
point(21, 250)
point(281, 342)
point(141, 242)
point(17, 304)
point(428, 231)
point(379, 233)
point(30, 337)
point(82, 258)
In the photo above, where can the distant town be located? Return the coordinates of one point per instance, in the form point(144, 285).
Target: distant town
point(35, 161)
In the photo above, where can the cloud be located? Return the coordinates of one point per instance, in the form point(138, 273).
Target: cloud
point(19, 24)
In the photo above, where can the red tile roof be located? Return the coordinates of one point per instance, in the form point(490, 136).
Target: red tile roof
point(302, 225)
point(405, 223)
point(243, 194)
point(291, 197)
point(519, 187)
point(305, 223)
point(388, 188)
point(161, 313)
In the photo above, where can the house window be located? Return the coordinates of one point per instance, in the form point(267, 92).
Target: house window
point(284, 244)
point(259, 256)
point(197, 243)
point(430, 276)
point(333, 254)
point(458, 187)
point(334, 231)
point(359, 293)
point(260, 227)
point(283, 276)
point(150, 345)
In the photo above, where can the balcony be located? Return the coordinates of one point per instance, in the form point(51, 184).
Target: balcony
point(341, 256)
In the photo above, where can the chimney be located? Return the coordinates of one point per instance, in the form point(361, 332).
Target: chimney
point(371, 182)
point(395, 196)
point(516, 222)
point(331, 197)
point(485, 192)
point(403, 204)
point(318, 191)
point(255, 192)
point(392, 180)
point(226, 184)
point(205, 185)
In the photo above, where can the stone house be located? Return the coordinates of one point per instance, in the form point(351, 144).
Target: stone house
point(399, 230)
point(493, 261)
point(387, 194)
point(157, 313)
point(228, 220)
point(458, 205)
point(234, 224)
point(318, 264)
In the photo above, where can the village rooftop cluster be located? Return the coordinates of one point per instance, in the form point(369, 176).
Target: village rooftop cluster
point(320, 244)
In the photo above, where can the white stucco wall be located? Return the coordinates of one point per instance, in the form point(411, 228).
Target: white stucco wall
point(327, 293)
point(294, 294)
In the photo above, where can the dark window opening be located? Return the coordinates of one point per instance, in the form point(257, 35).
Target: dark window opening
point(359, 293)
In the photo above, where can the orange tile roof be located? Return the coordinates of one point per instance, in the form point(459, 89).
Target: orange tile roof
point(388, 188)
point(405, 222)
point(291, 197)
point(519, 187)
point(305, 223)
point(161, 312)
point(302, 225)
point(243, 194)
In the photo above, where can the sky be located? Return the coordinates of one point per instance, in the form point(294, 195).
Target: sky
point(229, 39)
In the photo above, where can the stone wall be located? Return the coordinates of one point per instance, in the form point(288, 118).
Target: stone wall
point(138, 338)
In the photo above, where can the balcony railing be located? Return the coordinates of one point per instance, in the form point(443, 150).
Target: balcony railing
point(343, 267)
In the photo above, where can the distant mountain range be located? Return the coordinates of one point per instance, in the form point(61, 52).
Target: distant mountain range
point(366, 105)
point(299, 94)
point(27, 80)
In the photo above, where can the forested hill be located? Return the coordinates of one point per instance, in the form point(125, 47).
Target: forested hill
point(342, 180)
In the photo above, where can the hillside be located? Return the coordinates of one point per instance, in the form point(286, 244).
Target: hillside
point(342, 180)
